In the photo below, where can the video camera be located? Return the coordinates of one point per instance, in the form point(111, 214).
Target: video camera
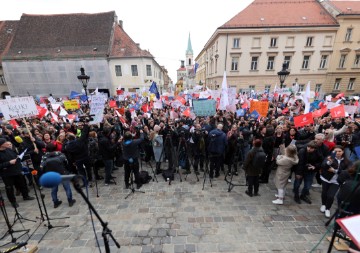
point(86, 118)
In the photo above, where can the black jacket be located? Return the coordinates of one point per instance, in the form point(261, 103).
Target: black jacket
point(343, 165)
point(347, 186)
point(30, 149)
point(306, 158)
point(106, 148)
point(78, 149)
point(131, 148)
point(54, 161)
point(7, 169)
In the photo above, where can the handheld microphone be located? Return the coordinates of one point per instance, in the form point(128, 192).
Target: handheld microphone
point(52, 179)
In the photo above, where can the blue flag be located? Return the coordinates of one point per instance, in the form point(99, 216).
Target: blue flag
point(254, 115)
point(74, 94)
point(240, 112)
point(153, 89)
point(196, 67)
point(83, 98)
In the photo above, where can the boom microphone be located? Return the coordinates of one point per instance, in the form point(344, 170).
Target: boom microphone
point(52, 179)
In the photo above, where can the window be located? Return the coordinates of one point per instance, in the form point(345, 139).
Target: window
point(118, 70)
point(254, 62)
point(301, 87)
point(2, 79)
point(351, 84)
point(216, 65)
point(309, 41)
point(287, 60)
point(236, 43)
point(267, 88)
point(337, 84)
point(134, 70)
point(342, 61)
point(348, 34)
point(305, 64)
point(270, 65)
point(189, 62)
point(273, 42)
point(323, 61)
point(234, 63)
point(317, 87)
point(148, 70)
point(251, 87)
point(357, 61)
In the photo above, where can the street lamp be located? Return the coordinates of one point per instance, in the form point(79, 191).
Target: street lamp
point(84, 79)
point(283, 74)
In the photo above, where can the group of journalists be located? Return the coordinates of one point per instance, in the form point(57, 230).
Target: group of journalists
point(319, 155)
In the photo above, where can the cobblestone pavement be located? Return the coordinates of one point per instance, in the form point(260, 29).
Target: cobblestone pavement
point(175, 218)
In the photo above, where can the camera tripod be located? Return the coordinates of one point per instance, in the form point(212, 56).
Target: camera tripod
point(132, 175)
point(44, 217)
point(231, 171)
point(10, 226)
point(206, 172)
point(171, 155)
point(183, 147)
point(142, 157)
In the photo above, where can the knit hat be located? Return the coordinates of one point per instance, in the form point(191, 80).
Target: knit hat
point(2, 141)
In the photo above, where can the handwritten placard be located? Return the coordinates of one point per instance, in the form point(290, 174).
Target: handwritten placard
point(204, 107)
point(97, 106)
point(261, 107)
point(71, 104)
point(20, 107)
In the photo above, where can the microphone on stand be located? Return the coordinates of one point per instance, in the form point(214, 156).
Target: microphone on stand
point(52, 179)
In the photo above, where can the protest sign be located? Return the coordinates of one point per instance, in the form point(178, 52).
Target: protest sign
point(204, 107)
point(71, 104)
point(14, 108)
point(351, 109)
point(262, 107)
point(337, 112)
point(97, 106)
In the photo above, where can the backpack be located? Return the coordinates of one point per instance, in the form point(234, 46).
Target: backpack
point(93, 148)
point(259, 159)
point(168, 175)
point(212, 142)
point(144, 177)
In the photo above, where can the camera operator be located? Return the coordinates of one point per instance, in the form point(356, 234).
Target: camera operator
point(78, 150)
point(199, 147)
point(170, 144)
point(131, 154)
point(107, 149)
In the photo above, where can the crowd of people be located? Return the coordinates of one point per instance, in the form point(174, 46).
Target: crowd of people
point(323, 152)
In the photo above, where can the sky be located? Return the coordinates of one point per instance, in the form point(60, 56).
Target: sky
point(160, 26)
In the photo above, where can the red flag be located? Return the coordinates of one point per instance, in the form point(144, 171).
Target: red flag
point(187, 112)
point(145, 108)
point(244, 106)
point(286, 110)
point(165, 97)
point(319, 113)
point(303, 120)
point(356, 103)
point(119, 92)
point(340, 95)
point(112, 103)
point(14, 123)
point(121, 110)
point(181, 99)
point(195, 95)
point(338, 112)
point(42, 111)
point(71, 116)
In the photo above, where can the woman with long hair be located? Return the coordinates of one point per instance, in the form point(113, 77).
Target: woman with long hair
point(285, 161)
point(157, 144)
point(329, 139)
point(332, 166)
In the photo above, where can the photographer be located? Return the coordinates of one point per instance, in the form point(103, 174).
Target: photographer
point(131, 154)
point(199, 147)
point(170, 144)
point(231, 158)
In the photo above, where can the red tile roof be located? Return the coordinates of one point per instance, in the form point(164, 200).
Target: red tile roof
point(346, 7)
point(124, 46)
point(62, 35)
point(7, 32)
point(282, 13)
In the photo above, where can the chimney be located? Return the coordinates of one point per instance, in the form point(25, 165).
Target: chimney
point(182, 64)
point(121, 23)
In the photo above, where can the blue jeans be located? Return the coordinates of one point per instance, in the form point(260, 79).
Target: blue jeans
point(308, 180)
point(67, 188)
point(109, 165)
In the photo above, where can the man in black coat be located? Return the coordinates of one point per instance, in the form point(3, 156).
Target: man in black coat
point(11, 172)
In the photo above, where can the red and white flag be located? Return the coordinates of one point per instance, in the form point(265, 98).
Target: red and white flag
point(337, 112)
point(303, 120)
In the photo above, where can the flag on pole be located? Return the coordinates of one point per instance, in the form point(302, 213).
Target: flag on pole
point(307, 98)
point(196, 67)
point(153, 89)
point(224, 100)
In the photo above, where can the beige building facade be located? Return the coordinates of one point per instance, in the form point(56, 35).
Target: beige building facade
point(253, 45)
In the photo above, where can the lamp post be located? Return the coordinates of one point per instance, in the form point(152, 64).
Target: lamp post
point(283, 74)
point(84, 79)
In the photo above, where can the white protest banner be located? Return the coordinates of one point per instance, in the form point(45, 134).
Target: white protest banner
point(158, 104)
point(97, 106)
point(331, 105)
point(232, 95)
point(14, 108)
point(350, 109)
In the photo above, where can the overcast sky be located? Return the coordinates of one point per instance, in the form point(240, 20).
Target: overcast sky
point(161, 26)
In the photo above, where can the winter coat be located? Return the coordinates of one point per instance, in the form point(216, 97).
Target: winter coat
point(78, 149)
point(107, 149)
point(157, 144)
point(54, 161)
point(284, 165)
point(249, 169)
point(217, 142)
point(7, 169)
point(339, 167)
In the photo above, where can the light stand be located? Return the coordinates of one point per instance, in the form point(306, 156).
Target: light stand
point(10, 230)
point(106, 231)
point(131, 167)
point(206, 172)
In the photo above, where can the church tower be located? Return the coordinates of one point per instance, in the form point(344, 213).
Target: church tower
point(189, 55)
